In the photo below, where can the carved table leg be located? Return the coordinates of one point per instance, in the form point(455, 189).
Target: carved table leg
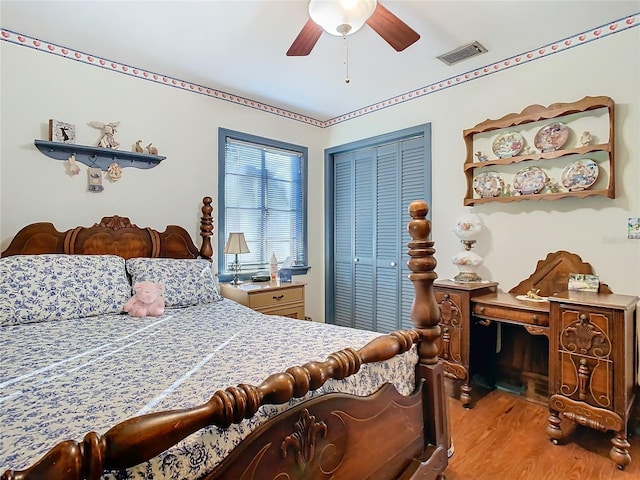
point(619, 453)
point(465, 393)
point(553, 427)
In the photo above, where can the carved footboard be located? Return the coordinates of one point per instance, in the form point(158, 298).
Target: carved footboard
point(337, 436)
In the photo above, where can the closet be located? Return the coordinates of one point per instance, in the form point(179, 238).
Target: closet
point(373, 183)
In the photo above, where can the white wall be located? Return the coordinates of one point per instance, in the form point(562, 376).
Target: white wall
point(183, 126)
point(518, 234)
point(37, 86)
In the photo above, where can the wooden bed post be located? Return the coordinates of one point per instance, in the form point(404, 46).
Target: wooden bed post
point(425, 315)
point(206, 229)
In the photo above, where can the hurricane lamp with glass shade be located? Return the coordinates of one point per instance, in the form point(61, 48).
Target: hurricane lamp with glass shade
point(236, 244)
point(467, 229)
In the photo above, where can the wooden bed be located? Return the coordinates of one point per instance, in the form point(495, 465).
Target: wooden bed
point(385, 435)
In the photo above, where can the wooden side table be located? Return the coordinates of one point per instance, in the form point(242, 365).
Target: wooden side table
point(271, 298)
point(454, 301)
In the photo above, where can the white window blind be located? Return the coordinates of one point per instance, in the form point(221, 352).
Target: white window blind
point(265, 198)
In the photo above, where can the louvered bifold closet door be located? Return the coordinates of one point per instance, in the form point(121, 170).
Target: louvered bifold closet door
point(415, 172)
point(343, 238)
point(373, 187)
point(401, 177)
point(364, 223)
point(387, 237)
point(353, 238)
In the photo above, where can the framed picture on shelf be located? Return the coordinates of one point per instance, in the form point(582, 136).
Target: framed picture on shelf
point(61, 131)
point(582, 282)
point(634, 228)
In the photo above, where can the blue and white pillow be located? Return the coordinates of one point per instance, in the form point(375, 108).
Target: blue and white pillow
point(40, 288)
point(186, 282)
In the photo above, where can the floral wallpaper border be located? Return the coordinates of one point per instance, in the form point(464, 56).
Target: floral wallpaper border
point(520, 59)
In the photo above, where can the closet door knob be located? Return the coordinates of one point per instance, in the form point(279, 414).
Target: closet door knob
point(393, 264)
point(356, 260)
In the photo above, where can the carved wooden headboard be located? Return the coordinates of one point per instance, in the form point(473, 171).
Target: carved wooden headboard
point(115, 235)
point(552, 275)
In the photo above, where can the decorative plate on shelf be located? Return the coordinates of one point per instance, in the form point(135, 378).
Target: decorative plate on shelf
point(508, 144)
point(530, 180)
point(551, 137)
point(580, 174)
point(488, 184)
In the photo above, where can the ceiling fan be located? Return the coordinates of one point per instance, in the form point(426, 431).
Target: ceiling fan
point(344, 17)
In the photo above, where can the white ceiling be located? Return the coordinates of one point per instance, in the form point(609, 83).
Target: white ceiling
point(239, 46)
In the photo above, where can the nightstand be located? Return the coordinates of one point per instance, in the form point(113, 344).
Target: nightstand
point(270, 298)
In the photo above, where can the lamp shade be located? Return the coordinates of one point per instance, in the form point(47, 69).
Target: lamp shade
point(236, 243)
point(341, 17)
point(468, 226)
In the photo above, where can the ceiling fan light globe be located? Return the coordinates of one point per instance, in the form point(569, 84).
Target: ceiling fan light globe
point(333, 15)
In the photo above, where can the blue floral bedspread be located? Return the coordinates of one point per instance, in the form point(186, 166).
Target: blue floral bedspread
point(62, 379)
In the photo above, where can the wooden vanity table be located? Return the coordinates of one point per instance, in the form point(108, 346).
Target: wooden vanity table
point(576, 351)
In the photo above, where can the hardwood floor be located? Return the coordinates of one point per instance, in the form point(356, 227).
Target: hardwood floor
point(503, 437)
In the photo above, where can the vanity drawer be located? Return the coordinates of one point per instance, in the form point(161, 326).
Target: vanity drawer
point(511, 314)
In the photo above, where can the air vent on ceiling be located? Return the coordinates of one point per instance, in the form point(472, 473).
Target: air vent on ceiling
point(462, 53)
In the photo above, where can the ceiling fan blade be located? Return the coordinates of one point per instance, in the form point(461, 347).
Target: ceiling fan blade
point(306, 40)
point(393, 30)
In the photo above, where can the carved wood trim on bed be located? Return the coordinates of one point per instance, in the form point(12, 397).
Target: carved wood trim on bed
point(318, 442)
point(117, 236)
point(381, 420)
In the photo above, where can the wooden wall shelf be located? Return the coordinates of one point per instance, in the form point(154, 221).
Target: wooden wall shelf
point(97, 156)
point(602, 152)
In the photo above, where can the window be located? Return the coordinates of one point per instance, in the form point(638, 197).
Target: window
point(262, 193)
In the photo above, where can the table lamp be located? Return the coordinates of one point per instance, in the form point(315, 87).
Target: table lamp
point(236, 244)
point(467, 229)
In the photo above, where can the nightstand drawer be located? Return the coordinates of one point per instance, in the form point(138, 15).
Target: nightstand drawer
point(276, 297)
point(284, 299)
point(291, 311)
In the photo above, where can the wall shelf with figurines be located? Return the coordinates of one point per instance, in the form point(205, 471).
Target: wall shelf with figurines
point(105, 157)
point(563, 150)
point(98, 157)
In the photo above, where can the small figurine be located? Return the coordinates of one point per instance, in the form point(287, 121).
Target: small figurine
point(506, 191)
point(480, 156)
point(533, 294)
point(529, 150)
point(108, 131)
point(585, 139)
point(552, 186)
point(74, 169)
point(138, 148)
point(152, 150)
point(114, 171)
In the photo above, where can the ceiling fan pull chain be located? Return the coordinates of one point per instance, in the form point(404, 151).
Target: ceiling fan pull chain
point(346, 61)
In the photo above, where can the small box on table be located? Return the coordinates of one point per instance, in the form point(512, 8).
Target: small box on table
point(284, 275)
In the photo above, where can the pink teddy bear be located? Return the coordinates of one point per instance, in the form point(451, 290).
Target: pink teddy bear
point(146, 301)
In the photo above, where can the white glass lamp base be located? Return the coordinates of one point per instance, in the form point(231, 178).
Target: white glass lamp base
point(467, 262)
